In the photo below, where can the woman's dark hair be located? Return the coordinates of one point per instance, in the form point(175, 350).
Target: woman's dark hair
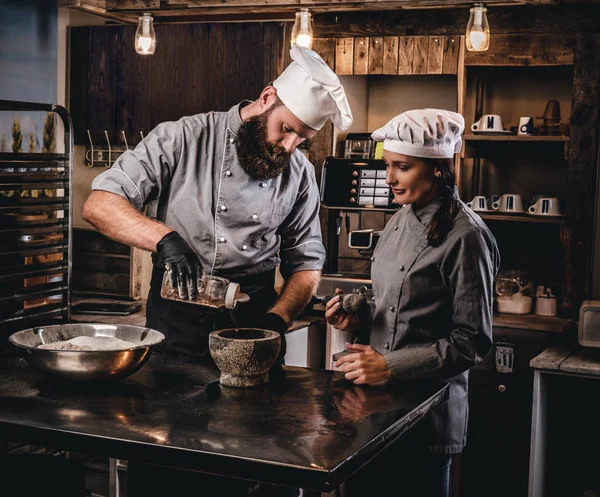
point(443, 220)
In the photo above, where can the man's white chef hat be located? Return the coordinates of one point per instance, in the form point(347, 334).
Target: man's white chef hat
point(312, 91)
point(429, 133)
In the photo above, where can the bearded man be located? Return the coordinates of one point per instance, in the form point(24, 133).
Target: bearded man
point(234, 198)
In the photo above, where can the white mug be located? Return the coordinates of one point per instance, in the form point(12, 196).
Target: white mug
point(545, 206)
point(488, 122)
point(545, 306)
point(509, 202)
point(479, 203)
point(525, 126)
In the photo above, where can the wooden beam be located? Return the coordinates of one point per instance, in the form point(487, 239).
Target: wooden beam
point(390, 55)
point(435, 55)
point(405, 54)
point(524, 50)
point(344, 56)
point(375, 55)
point(361, 55)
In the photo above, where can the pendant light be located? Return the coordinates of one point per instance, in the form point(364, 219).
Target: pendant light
point(145, 37)
point(478, 29)
point(302, 32)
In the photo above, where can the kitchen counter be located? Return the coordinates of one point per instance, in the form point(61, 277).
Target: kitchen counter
point(569, 359)
point(312, 430)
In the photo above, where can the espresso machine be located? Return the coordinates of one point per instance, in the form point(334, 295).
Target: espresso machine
point(353, 189)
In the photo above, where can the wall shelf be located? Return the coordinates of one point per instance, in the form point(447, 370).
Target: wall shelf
point(516, 138)
point(532, 322)
point(521, 218)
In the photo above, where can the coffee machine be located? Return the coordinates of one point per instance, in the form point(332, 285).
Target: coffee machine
point(351, 187)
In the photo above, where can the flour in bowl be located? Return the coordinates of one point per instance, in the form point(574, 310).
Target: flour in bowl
point(89, 343)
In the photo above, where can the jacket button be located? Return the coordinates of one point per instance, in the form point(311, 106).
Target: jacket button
point(387, 346)
point(244, 247)
point(231, 140)
point(392, 308)
point(223, 208)
point(254, 216)
point(222, 239)
point(262, 185)
point(372, 259)
point(228, 173)
point(401, 268)
point(396, 228)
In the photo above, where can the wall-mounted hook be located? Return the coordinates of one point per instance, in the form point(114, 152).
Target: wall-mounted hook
point(108, 164)
point(91, 151)
point(124, 139)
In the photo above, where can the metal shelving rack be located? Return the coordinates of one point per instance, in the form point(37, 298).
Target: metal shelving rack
point(36, 204)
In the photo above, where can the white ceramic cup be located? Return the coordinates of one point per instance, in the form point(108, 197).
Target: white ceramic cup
point(488, 122)
point(545, 206)
point(545, 306)
point(479, 203)
point(525, 126)
point(509, 202)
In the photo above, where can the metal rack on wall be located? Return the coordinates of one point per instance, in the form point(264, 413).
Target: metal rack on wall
point(36, 203)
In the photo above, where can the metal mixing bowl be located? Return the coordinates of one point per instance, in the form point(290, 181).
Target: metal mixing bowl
point(86, 365)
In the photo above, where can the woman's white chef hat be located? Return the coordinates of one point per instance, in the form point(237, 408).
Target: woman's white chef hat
point(429, 133)
point(312, 91)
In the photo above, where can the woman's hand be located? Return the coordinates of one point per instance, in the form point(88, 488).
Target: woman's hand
point(366, 367)
point(337, 317)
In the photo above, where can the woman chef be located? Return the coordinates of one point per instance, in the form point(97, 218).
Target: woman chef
point(432, 272)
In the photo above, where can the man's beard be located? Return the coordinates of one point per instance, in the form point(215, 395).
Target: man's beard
point(259, 158)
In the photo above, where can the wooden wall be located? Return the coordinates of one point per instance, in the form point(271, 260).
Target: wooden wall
point(196, 68)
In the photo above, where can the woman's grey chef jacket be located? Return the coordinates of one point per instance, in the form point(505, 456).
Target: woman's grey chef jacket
point(433, 309)
point(236, 224)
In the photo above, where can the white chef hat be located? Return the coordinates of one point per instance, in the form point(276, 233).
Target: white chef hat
point(429, 133)
point(312, 91)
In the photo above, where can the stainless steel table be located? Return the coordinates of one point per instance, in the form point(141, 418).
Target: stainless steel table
point(312, 430)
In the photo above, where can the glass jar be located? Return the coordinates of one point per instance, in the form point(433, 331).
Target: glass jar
point(214, 292)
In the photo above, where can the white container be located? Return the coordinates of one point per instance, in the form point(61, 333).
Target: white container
point(511, 305)
point(589, 323)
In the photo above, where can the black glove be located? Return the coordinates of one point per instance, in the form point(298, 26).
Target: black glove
point(183, 267)
point(275, 322)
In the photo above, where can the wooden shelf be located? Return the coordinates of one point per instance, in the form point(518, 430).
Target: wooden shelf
point(515, 138)
point(532, 322)
point(521, 218)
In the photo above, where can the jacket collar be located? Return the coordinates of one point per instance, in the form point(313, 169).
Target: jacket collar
point(234, 119)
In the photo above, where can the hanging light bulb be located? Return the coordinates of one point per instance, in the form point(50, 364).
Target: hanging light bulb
point(478, 29)
point(145, 37)
point(302, 32)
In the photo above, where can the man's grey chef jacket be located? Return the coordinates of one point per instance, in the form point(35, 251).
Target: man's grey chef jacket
point(433, 309)
point(234, 223)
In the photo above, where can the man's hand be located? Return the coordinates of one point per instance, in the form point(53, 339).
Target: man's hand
point(273, 321)
point(366, 367)
point(183, 267)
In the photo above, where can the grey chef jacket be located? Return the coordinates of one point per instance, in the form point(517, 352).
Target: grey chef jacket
point(238, 226)
point(433, 309)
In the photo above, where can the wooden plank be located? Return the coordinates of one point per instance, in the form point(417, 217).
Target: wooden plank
point(551, 358)
point(582, 361)
point(574, 18)
point(583, 163)
point(133, 89)
point(287, 43)
point(390, 55)
point(273, 48)
point(194, 70)
point(136, 269)
point(524, 50)
point(102, 84)
point(532, 322)
point(435, 55)
point(406, 52)
point(361, 55)
point(450, 57)
point(244, 72)
point(217, 48)
point(78, 102)
point(420, 54)
point(325, 47)
point(375, 55)
point(344, 56)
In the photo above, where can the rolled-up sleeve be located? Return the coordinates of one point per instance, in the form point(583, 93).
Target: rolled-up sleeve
point(301, 242)
point(468, 270)
point(142, 174)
